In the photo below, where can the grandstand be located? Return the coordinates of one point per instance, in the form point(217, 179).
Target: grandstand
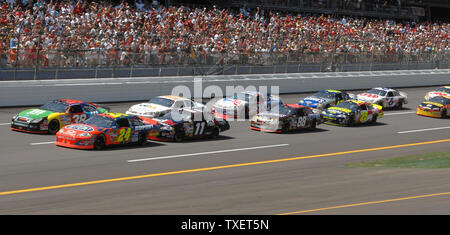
point(42, 39)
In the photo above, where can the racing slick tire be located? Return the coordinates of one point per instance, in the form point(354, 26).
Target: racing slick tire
point(374, 119)
point(53, 126)
point(285, 128)
point(313, 125)
point(215, 133)
point(351, 121)
point(444, 113)
point(100, 142)
point(142, 140)
point(178, 136)
point(400, 105)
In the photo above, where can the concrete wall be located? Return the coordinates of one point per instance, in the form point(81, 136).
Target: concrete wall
point(22, 93)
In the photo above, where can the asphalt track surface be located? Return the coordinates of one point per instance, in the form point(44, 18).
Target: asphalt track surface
point(242, 172)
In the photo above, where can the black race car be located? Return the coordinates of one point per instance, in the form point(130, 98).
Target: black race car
point(287, 117)
point(187, 124)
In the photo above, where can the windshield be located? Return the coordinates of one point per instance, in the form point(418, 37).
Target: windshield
point(161, 101)
point(55, 106)
point(377, 92)
point(100, 121)
point(348, 105)
point(285, 110)
point(324, 94)
point(443, 89)
point(440, 100)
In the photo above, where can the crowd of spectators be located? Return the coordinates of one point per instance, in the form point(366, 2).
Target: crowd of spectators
point(74, 33)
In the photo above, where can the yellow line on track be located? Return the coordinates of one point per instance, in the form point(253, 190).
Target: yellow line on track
point(367, 203)
point(217, 167)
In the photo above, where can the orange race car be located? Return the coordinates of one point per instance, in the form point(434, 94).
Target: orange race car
point(105, 130)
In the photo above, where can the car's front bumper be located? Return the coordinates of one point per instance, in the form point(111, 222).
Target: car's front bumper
point(74, 142)
point(29, 127)
point(428, 112)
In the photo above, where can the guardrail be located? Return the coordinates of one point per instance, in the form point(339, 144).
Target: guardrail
point(25, 93)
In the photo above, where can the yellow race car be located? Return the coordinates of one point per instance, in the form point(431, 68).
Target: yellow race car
point(437, 106)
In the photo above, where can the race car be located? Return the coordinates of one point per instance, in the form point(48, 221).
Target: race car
point(187, 124)
point(160, 105)
point(385, 97)
point(325, 98)
point(286, 118)
point(441, 91)
point(244, 104)
point(104, 130)
point(351, 112)
point(52, 116)
point(437, 106)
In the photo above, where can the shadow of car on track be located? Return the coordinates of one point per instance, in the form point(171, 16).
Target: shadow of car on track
point(206, 139)
point(149, 144)
point(362, 125)
point(294, 132)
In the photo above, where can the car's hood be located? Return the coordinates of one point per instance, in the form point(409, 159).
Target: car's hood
point(337, 111)
point(271, 115)
point(230, 103)
point(82, 127)
point(313, 101)
point(429, 104)
point(147, 108)
point(34, 113)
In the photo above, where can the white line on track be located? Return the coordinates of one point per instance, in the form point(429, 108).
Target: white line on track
point(398, 113)
point(42, 143)
point(429, 129)
point(211, 152)
point(4, 124)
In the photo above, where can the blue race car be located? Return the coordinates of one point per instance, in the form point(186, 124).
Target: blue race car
point(325, 98)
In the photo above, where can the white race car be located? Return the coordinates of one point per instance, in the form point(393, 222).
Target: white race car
point(244, 104)
point(160, 105)
point(386, 97)
point(441, 91)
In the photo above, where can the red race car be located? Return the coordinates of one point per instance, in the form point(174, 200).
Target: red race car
point(104, 130)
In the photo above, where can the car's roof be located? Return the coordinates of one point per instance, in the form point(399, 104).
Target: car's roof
point(358, 102)
point(297, 106)
point(115, 115)
point(70, 101)
point(331, 91)
point(383, 89)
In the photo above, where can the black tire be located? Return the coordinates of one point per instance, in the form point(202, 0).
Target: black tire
point(53, 127)
point(444, 113)
point(285, 128)
point(142, 139)
point(215, 133)
point(374, 119)
point(351, 121)
point(178, 137)
point(100, 142)
point(313, 124)
point(400, 104)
